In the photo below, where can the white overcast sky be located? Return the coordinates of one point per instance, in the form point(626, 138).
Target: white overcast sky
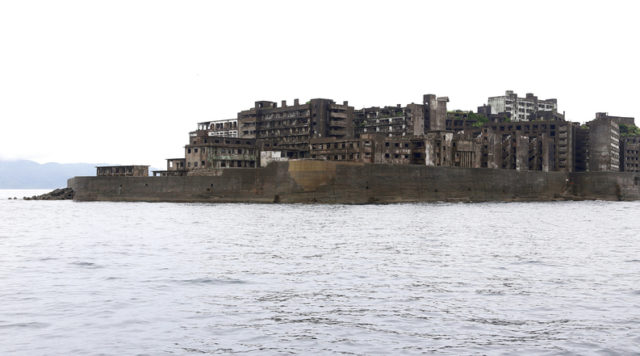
point(125, 81)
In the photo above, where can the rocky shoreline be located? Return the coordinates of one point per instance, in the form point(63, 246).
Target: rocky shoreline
point(57, 194)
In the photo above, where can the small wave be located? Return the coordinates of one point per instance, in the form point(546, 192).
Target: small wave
point(211, 281)
point(192, 350)
point(314, 320)
point(502, 322)
point(86, 264)
point(489, 292)
point(529, 262)
point(31, 325)
point(505, 322)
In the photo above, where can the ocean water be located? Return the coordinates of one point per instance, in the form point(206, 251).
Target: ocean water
point(455, 279)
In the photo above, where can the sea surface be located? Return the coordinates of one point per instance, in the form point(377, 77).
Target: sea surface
point(454, 279)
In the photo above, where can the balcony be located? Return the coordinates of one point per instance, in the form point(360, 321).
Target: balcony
point(334, 131)
point(340, 115)
point(337, 123)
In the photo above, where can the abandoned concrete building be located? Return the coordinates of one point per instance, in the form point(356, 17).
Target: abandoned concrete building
point(290, 127)
point(604, 144)
point(581, 148)
point(630, 157)
point(398, 121)
point(521, 109)
point(423, 134)
point(220, 128)
point(220, 152)
point(122, 171)
point(175, 167)
point(459, 120)
point(389, 121)
point(435, 149)
point(538, 145)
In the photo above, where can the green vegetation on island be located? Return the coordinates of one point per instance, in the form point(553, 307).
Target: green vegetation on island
point(629, 130)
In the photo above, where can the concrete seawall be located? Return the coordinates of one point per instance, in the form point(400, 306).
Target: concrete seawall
point(308, 181)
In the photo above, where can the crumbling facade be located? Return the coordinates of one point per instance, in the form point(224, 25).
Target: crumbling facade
point(630, 153)
point(521, 109)
point(536, 145)
point(604, 144)
point(414, 134)
point(222, 152)
point(175, 167)
point(220, 128)
point(398, 121)
point(290, 128)
point(122, 171)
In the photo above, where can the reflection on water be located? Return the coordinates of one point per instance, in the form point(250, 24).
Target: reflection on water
point(137, 278)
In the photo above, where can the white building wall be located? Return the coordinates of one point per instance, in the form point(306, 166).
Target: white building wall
point(519, 108)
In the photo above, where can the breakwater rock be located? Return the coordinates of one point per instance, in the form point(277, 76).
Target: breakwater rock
point(57, 194)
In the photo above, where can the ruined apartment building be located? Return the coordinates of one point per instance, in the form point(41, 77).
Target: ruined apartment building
point(219, 128)
point(460, 120)
point(520, 109)
point(536, 146)
point(398, 121)
point(290, 127)
point(604, 143)
point(206, 152)
point(630, 157)
point(581, 148)
point(420, 134)
point(368, 148)
point(434, 149)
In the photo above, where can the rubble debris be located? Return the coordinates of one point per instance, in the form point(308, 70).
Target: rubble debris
point(57, 194)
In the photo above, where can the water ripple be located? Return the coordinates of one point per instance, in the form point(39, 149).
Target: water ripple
point(453, 279)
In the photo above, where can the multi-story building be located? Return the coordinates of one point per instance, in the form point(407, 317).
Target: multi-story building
point(459, 120)
point(332, 149)
point(435, 148)
point(221, 152)
point(538, 145)
point(629, 145)
point(398, 121)
point(389, 121)
point(521, 109)
point(368, 148)
point(581, 148)
point(290, 128)
point(424, 134)
point(604, 143)
point(630, 157)
point(220, 128)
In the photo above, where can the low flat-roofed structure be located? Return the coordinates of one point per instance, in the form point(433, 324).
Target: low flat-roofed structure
point(175, 167)
point(123, 171)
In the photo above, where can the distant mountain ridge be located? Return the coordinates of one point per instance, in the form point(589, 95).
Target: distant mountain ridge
point(23, 174)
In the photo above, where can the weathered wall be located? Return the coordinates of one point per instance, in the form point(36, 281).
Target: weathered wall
point(342, 182)
point(606, 185)
point(604, 145)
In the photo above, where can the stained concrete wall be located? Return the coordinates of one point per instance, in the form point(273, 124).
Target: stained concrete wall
point(606, 185)
point(355, 183)
point(604, 149)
